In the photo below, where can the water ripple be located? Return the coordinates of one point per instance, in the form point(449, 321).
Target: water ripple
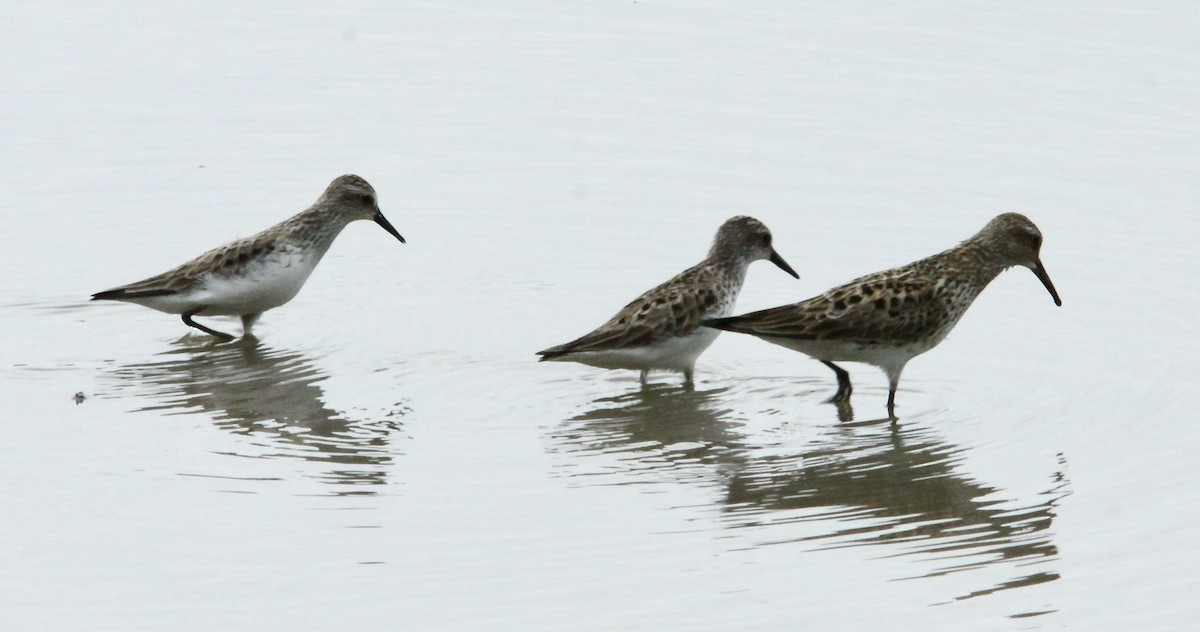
point(272, 398)
point(781, 471)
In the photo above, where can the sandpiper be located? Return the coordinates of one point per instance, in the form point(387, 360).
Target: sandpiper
point(661, 328)
point(251, 275)
point(890, 317)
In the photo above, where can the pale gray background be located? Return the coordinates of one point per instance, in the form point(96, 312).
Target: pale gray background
point(391, 456)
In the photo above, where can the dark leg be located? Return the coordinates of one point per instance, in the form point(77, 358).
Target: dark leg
point(187, 320)
point(688, 383)
point(893, 384)
point(248, 321)
point(845, 411)
point(644, 377)
point(844, 388)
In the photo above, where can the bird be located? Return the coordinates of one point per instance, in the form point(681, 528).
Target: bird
point(249, 276)
point(887, 318)
point(661, 328)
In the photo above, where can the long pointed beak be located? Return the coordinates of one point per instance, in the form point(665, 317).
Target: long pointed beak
point(382, 221)
point(783, 265)
point(1040, 271)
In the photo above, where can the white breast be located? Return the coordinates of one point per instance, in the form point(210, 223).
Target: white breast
point(677, 353)
point(261, 286)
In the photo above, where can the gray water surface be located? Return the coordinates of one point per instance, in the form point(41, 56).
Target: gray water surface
point(388, 454)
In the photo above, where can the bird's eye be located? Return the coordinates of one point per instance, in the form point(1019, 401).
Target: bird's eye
point(367, 199)
point(766, 239)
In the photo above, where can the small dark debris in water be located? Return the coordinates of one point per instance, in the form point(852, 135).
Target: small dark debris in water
point(79, 397)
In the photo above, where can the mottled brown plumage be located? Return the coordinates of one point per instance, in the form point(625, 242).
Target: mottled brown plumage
point(889, 317)
point(223, 261)
point(661, 328)
point(251, 275)
point(671, 309)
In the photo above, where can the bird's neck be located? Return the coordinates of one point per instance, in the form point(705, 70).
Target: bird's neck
point(729, 266)
point(974, 260)
point(314, 230)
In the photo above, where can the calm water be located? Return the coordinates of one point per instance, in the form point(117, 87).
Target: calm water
point(388, 455)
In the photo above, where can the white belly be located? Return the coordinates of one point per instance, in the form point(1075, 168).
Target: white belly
point(677, 353)
point(262, 286)
point(886, 355)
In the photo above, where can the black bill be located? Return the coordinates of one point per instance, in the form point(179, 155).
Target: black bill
point(783, 265)
point(1040, 271)
point(382, 221)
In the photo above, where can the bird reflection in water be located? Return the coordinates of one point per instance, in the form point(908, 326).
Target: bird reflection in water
point(880, 483)
point(866, 483)
point(272, 397)
point(656, 429)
